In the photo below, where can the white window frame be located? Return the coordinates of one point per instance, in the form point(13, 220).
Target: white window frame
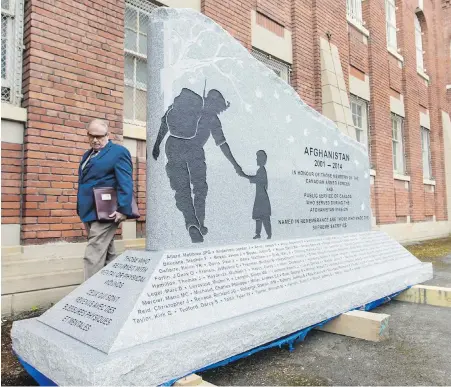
point(426, 152)
point(419, 44)
point(282, 69)
point(390, 21)
point(399, 159)
point(14, 51)
point(140, 7)
point(360, 118)
point(354, 11)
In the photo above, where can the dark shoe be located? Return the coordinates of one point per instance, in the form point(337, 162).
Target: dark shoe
point(196, 236)
point(203, 230)
point(256, 237)
point(269, 236)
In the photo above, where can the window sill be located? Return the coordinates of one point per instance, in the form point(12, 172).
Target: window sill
point(372, 172)
point(13, 113)
point(134, 131)
point(448, 87)
point(423, 75)
point(395, 54)
point(359, 27)
point(428, 182)
point(397, 176)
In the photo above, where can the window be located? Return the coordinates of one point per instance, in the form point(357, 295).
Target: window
point(280, 68)
point(419, 44)
point(359, 111)
point(390, 20)
point(135, 94)
point(11, 50)
point(354, 11)
point(398, 144)
point(426, 151)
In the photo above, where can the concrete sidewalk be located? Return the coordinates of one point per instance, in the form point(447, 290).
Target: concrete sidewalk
point(442, 273)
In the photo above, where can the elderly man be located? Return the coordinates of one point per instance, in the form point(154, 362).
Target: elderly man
point(105, 165)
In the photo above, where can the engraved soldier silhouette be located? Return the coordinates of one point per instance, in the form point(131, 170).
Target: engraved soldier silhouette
point(190, 120)
point(262, 206)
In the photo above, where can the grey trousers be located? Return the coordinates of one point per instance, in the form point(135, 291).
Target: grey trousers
point(100, 250)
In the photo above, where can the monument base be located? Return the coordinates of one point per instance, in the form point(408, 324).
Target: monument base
point(289, 341)
point(70, 361)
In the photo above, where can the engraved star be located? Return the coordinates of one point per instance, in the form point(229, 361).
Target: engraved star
point(288, 119)
point(192, 80)
point(258, 93)
point(290, 139)
point(356, 162)
point(276, 95)
point(324, 140)
point(335, 143)
point(306, 132)
point(362, 207)
point(248, 108)
point(366, 175)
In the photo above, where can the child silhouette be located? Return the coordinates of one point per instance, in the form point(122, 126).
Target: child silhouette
point(262, 207)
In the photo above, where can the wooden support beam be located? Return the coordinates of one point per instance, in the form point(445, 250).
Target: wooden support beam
point(430, 295)
point(192, 380)
point(359, 324)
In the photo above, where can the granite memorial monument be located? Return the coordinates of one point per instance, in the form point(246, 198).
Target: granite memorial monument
point(258, 225)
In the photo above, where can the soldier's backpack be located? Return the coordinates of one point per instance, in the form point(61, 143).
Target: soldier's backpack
point(184, 114)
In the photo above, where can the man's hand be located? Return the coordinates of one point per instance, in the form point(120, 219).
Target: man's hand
point(118, 217)
point(156, 152)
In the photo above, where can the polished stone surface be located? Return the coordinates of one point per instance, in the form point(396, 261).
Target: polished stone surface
point(309, 180)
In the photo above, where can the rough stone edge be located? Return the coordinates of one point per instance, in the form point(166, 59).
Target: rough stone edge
point(164, 13)
point(68, 361)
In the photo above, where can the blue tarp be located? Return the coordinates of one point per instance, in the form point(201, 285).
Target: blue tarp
point(41, 379)
point(289, 340)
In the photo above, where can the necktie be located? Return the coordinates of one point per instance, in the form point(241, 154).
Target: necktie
point(92, 155)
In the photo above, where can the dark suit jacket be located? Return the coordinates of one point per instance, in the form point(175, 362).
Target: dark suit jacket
point(112, 167)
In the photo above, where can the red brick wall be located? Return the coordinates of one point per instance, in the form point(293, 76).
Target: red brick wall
point(395, 74)
point(329, 17)
point(277, 10)
point(234, 16)
point(358, 50)
point(73, 72)
point(435, 65)
point(140, 187)
point(373, 200)
point(401, 198)
point(11, 182)
point(303, 68)
point(381, 140)
point(312, 20)
point(410, 87)
point(423, 92)
point(429, 203)
point(444, 55)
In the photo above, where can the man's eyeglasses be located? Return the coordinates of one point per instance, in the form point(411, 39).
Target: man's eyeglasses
point(98, 137)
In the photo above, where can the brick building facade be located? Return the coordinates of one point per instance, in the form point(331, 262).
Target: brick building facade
point(379, 68)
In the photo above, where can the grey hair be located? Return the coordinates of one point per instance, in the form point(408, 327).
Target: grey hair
point(98, 121)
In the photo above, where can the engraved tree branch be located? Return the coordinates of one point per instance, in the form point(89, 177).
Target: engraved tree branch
point(182, 64)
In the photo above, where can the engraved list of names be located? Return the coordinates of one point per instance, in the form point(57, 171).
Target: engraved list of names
point(227, 281)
